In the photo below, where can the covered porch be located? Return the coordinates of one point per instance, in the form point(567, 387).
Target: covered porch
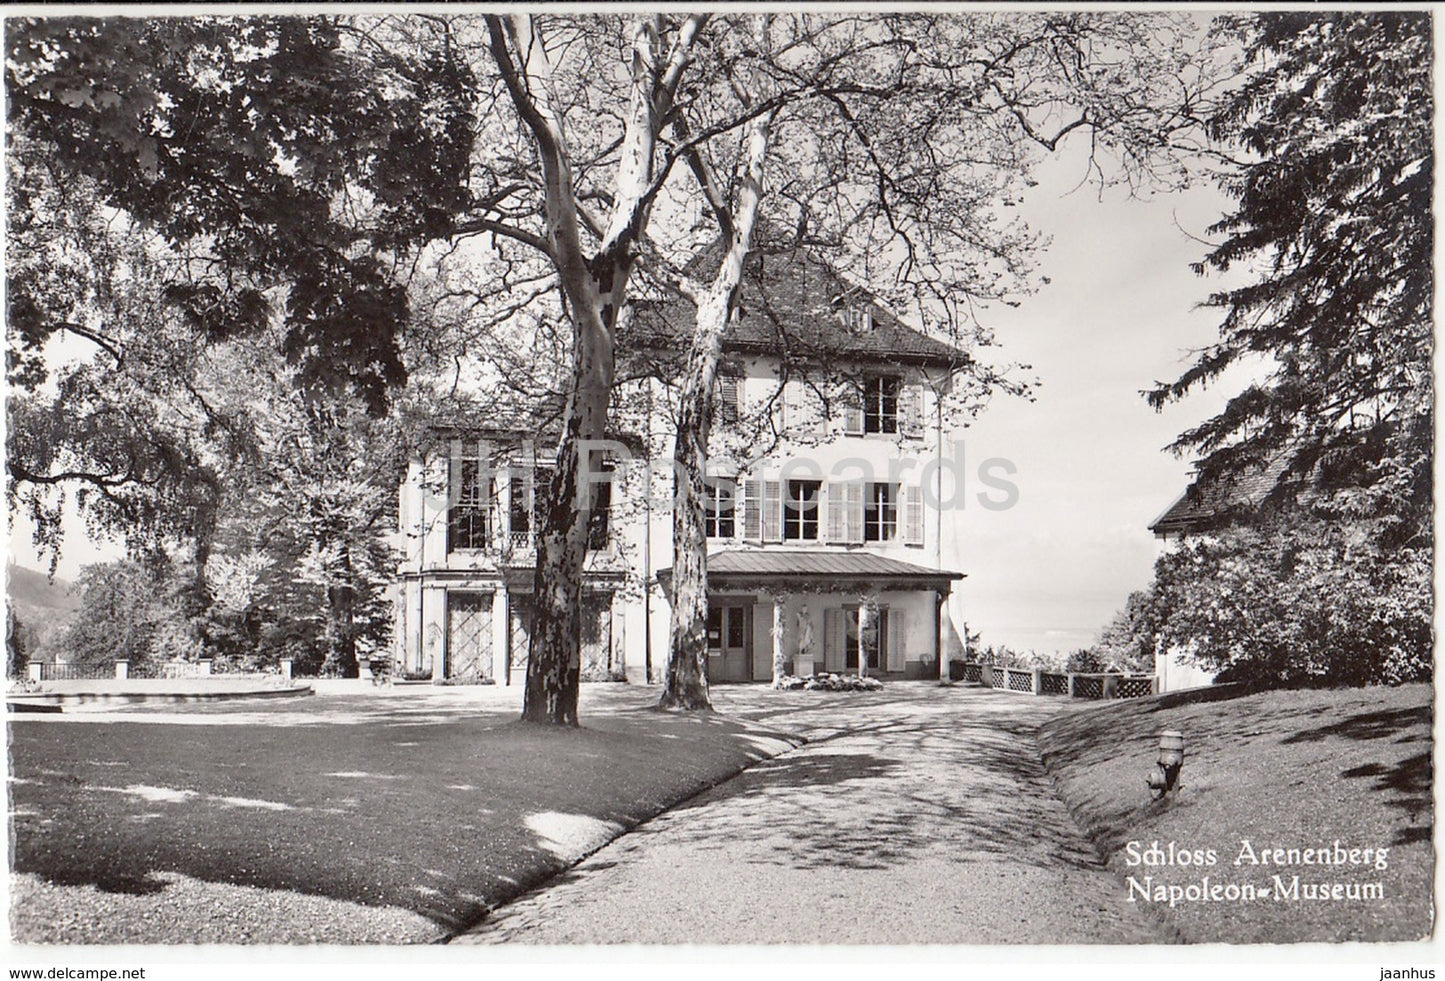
point(799, 612)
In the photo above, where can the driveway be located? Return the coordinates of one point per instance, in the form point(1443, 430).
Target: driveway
point(917, 815)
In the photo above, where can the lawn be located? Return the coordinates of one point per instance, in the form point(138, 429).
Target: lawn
point(1287, 769)
point(391, 817)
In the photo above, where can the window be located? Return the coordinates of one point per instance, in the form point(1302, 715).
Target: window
point(880, 404)
point(469, 486)
point(800, 516)
point(601, 505)
point(720, 507)
point(520, 511)
point(880, 513)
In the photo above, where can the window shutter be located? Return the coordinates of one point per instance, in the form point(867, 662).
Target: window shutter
point(729, 396)
point(772, 511)
point(454, 473)
point(912, 515)
point(855, 513)
point(833, 636)
point(897, 653)
point(753, 510)
point(835, 531)
point(910, 410)
point(793, 414)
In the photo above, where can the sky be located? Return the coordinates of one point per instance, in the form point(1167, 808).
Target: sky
point(1121, 311)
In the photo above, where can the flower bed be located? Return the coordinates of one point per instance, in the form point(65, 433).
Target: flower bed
point(829, 682)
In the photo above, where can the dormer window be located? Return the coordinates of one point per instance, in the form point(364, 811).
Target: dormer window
point(859, 320)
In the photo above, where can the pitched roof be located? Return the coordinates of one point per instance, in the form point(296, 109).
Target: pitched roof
point(794, 566)
point(1202, 506)
point(791, 303)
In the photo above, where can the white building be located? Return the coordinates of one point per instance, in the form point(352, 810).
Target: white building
point(831, 475)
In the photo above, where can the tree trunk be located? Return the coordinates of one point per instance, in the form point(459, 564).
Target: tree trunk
point(686, 679)
point(686, 682)
point(340, 622)
point(554, 662)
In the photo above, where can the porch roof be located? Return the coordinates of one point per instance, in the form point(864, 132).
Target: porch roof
point(814, 570)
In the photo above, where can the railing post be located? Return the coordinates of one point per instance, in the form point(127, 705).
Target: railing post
point(35, 668)
point(1109, 686)
point(1038, 681)
point(122, 669)
point(205, 665)
point(1071, 684)
point(1153, 684)
point(286, 669)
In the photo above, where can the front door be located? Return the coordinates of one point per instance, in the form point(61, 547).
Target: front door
point(727, 647)
point(469, 636)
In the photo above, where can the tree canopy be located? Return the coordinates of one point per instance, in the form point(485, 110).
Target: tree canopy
point(1332, 224)
point(1328, 577)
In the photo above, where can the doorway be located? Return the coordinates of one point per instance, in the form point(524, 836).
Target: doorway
point(727, 641)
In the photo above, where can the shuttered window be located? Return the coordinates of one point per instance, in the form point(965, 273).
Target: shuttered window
point(772, 511)
point(912, 515)
point(880, 404)
point(729, 399)
point(833, 640)
point(800, 516)
point(719, 507)
point(880, 513)
point(897, 638)
point(910, 410)
point(753, 510)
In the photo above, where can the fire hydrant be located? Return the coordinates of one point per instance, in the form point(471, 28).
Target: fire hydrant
point(1165, 775)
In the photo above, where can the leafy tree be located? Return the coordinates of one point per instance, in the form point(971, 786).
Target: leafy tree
point(695, 125)
point(295, 153)
point(121, 615)
point(1127, 643)
point(1299, 600)
point(1333, 213)
point(1328, 577)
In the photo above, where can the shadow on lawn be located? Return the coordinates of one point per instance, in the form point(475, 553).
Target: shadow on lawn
point(424, 818)
point(1369, 725)
point(1410, 783)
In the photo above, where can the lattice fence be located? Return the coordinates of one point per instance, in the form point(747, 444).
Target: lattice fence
point(1135, 686)
point(1053, 684)
point(1079, 685)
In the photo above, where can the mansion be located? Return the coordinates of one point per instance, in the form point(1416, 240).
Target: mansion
point(827, 520)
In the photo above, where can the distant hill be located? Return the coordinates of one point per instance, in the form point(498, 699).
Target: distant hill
point(29, 591)
point(44, 607)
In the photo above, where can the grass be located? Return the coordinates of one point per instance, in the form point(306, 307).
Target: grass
point(1290, 769)
point(398, 817)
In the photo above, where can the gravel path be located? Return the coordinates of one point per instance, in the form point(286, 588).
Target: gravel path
point(930, 822)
